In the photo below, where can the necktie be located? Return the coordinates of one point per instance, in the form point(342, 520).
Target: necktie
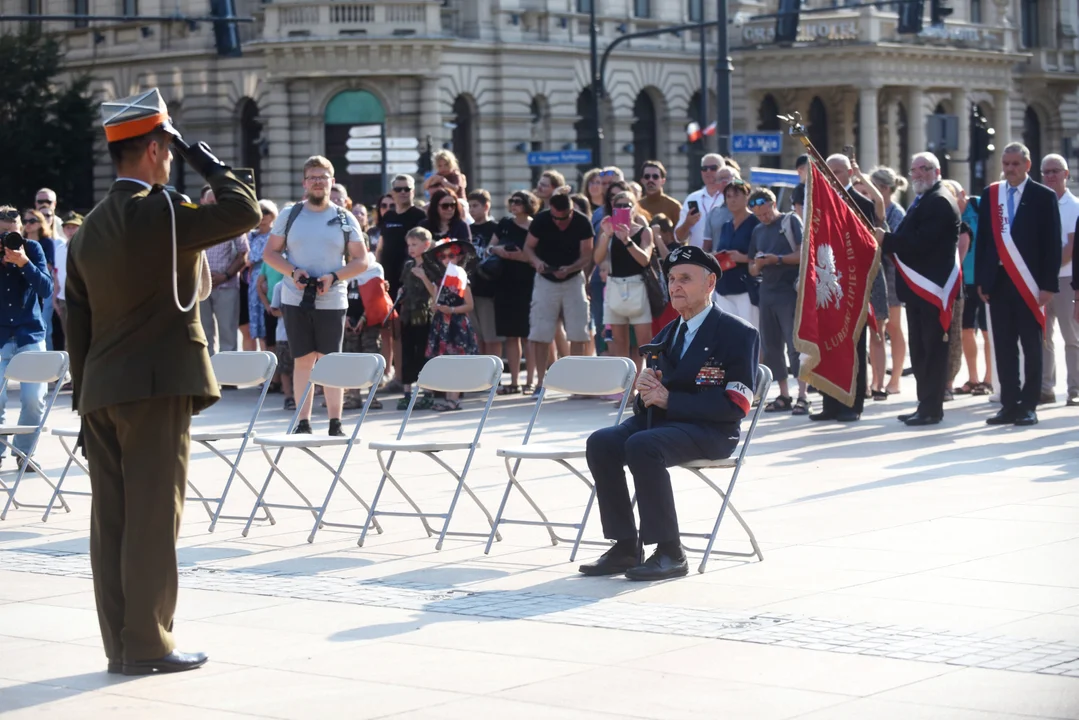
point(917, 199)
point(679, 343)
point(1011, 205)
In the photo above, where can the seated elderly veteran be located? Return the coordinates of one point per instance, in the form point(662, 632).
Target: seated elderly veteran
point(689, 408)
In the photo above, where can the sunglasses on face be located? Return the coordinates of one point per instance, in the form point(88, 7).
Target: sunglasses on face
point(759, 202)
point(651, 176)
point(30, 221)
point(623, 206)
point(43, 201)
point(385, 206)
point(9, 215)
point(560, 218)
point(709, 168)
point(516, 201)
point(404, 189)
point(447, 206)
point(607, 173)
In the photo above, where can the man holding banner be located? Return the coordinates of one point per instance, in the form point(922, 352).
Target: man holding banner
point(925, 247)
point(1017, 261)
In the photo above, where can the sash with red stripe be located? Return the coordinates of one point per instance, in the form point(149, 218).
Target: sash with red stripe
point(942, 298)
point(1010, 258)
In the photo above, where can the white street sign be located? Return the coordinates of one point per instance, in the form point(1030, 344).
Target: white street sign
point(365, 131)
point(402, 155)
point(402, 143)
point(363, 143)
point(402, 168)
point(365, 169)
point(364, 156)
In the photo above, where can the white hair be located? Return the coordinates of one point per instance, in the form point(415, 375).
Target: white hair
point(1059, 158)
point(269, 206)
point(839, 158)
point(929, 157)
point(716, 157)
point(1016, 147)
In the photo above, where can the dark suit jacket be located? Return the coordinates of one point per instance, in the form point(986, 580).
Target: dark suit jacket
point(1036, 233)
point(926, 240)
point(707, 413)
point(866, 206)
point(126, 337)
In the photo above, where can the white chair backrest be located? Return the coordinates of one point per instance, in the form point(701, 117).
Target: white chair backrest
point(461, 373)
point(37, 367)
point(352, 371)
point(591, 375)
point(243, 368)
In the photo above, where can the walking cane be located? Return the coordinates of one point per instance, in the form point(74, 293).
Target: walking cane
point(650, 353)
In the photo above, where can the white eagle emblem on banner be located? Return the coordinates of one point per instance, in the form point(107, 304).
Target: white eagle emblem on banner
point(828, 278)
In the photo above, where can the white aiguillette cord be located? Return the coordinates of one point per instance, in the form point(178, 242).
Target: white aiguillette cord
point(175, 262)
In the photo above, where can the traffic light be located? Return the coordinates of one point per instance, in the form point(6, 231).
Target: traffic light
point(938, 11)
point(787, 22)
point(226, 35)
point(910, 16)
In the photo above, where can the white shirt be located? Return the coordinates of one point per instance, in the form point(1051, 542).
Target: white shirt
point(705, 204)
point(1069, 213)
point(692, 326)
point(60, 257)
point(1018, 192)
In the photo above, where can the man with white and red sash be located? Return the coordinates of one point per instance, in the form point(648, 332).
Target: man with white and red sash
point(1017, 262)
point(929, 278)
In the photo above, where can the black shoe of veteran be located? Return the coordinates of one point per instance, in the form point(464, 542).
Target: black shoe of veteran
point(613, 562)
point(175, 661)
point(663, 565)
point(1004, 416)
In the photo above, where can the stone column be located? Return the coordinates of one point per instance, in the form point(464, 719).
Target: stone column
point(959, 168)
point(915, 122)
point(1002, 123)
point(868, 125)
point(891, 146)
point(430, 112)
point(277, 175)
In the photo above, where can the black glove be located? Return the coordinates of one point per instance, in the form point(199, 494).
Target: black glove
point(200, 158)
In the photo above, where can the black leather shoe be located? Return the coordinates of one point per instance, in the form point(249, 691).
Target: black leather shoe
point(1026, 417)
point(823, 416)
point(917, 420)
point(660, 566)
point(848, 415)
point(906, 416)
point(175, 661)
point(302, 428)
point(115, 668)
point(335, 428)
point(613, 562)
point(1003, 417)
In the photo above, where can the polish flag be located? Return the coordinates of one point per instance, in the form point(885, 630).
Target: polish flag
point(454, 281)
point(693, 131)
point(710, 130)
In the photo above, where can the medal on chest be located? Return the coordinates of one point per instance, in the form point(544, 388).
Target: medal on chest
point(711, 374)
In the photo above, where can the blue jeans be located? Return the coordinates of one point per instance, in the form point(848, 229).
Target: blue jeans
point(46, 316)
point(32, 395)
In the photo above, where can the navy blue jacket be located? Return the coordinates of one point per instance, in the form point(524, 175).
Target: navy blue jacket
point(710, 414)
point(23, 291)
point(1036, 233)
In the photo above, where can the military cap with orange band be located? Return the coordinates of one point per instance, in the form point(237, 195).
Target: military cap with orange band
point(136, 115)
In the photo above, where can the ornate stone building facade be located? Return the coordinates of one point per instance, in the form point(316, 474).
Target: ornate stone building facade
point(494, 79)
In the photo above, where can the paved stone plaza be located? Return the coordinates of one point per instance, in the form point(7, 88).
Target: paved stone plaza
point(908, 574)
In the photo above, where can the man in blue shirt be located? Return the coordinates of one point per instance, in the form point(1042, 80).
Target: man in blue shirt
point(25, 286)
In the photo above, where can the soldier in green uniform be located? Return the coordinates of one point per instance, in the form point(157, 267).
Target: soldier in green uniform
point(141, 370)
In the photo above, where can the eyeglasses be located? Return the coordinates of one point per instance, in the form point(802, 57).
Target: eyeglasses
point(651, 176)
point(516, 201)
point(318, 178)
point(622, 207)
point(406, 188)
point(30, 221)
point(567, 216)
point(758, 202)
point(921, 168)
point(709, 168)
point(385, 206)
point(608, 173)
point(738, 181)
point(447, 206)
point(1053, 171)
point(9, 215)
point(43, 201)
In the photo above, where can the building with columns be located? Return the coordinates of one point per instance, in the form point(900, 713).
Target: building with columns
point(495, 79)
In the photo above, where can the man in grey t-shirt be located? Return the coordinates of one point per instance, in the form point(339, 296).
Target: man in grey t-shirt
point(775, 252)
point(325, 243)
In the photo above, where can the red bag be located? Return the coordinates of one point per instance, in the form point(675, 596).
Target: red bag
point(377, 305)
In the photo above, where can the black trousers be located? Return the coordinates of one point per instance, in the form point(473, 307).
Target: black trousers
point(832, 406)
point(1013, 325)
point(928, 356)
point(648, 453)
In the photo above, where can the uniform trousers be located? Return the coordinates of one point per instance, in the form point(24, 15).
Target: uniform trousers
point(1060, 311)
point(831, 406)
point(648, 453)
point(1013, 325)
point(138, 454)
point(928, 357)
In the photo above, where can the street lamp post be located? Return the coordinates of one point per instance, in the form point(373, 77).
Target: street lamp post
point(724, 70)
point(597, 126)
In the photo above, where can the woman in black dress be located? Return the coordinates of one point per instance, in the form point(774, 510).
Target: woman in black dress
point(513, 288)
point(444, 218)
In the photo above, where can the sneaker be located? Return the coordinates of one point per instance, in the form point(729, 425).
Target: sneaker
point(303, 428)
point(335, 428)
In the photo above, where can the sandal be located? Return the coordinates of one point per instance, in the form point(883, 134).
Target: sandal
point(509, 389)
point(780, 404)
point(527, 390)
point(801, 407)
point(425, 402)
point(982, 389)
point(290, 403)
point(446, 405)
point(967, 388)
point(880, 394)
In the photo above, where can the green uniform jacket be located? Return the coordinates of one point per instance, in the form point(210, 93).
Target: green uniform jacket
point(127, 339)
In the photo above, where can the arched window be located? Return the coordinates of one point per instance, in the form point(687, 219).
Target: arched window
point(768, 121)
point(251, 140)
point(464, 138)
point(644, 132)
point(363, 173)
point(817, 128)
point(1032, 138)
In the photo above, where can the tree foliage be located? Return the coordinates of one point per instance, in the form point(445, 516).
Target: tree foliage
point(47, 129)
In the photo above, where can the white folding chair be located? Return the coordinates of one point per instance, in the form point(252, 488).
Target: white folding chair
point(576, 376)
point(764, 381)
point(241, 369)
point(349, 371)
point(448, 373)
point(31, 367)
point(64, 435)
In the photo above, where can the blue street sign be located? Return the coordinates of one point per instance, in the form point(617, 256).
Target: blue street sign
point(560, 157)
point(766, 143)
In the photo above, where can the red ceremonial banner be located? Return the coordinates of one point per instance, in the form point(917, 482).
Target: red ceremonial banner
point(840, 259)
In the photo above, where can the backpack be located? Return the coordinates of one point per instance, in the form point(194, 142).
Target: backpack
point(342, 219)
point(786, 231)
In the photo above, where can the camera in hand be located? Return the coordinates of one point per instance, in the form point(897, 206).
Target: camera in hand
point(310, 292)
point(12, 240)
